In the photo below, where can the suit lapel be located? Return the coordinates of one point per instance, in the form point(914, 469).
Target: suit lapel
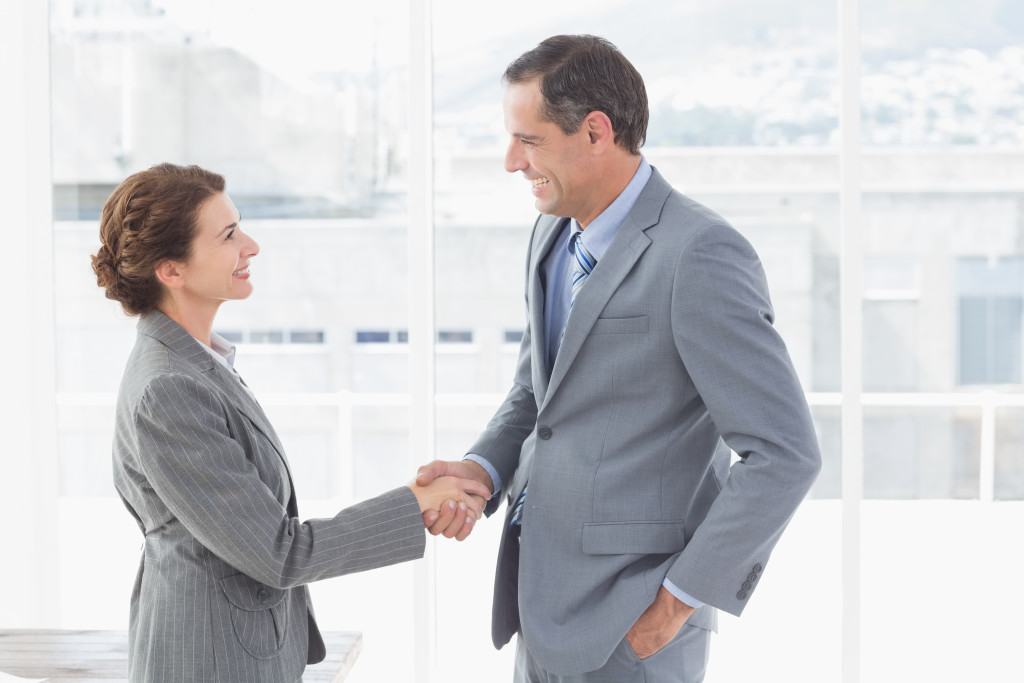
point(548, 232)
point(625, 250)
point(172, 335)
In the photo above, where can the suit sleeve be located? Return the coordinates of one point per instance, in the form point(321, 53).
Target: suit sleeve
point(722, 323)
point(206, 481)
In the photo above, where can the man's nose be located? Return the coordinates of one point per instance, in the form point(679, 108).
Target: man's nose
point(514, 159)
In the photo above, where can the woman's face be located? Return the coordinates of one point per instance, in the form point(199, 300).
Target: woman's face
point(218, 268)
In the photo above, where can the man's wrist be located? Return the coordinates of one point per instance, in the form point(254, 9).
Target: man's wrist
point(681, 595)
point(674, 607)
point(484, 472)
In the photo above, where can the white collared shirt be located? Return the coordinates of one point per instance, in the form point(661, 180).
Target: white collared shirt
point(223, 352)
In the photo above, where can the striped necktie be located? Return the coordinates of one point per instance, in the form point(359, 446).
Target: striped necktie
point(584, 263)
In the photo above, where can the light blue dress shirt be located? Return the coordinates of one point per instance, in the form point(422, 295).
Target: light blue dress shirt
point(556, 271)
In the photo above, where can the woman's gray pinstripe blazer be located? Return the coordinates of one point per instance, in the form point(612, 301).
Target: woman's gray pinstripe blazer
point(220, 593)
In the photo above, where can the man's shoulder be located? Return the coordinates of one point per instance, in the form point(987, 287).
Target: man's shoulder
point(683, 217)
point(673, 206)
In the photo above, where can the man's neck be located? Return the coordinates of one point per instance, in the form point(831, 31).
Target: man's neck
point(615, 177)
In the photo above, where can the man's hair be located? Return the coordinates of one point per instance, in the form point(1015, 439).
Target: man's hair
point(579, 74)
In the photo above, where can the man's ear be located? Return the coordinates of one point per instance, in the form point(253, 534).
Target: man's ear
point(170, 273)
point(599, 129)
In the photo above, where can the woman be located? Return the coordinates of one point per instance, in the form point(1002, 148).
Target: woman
point(221, 590)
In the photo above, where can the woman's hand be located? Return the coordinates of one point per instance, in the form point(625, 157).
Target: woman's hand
point(464, 498)
point(450, 520)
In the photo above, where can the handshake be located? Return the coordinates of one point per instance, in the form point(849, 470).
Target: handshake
point(452, 496)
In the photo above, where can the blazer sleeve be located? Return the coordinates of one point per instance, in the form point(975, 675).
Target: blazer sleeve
point(722, 323)
point(206, 480)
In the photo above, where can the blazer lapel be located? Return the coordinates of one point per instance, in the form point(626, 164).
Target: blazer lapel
point(625, 250)
point(172, 335)
point(544, 242)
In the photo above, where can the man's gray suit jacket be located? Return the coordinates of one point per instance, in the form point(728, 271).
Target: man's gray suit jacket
point(220, 593)
point(669, 360)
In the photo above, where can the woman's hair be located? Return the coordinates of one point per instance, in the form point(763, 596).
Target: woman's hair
point(149, 218)
point(583, 73)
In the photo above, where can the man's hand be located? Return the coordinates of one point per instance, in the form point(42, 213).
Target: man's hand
point(658, 624)
point(452, 520)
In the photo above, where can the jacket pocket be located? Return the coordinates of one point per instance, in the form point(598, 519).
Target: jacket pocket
point(637, 325)
point(633, 538)
point(259, 614)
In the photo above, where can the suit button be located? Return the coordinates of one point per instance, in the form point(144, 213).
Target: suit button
point(747, 585)
point(758, 568)
point(751, 577)
point(544, 433)
point(742, 595)
point(262, 595)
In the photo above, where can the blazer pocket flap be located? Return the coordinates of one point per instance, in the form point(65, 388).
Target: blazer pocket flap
point(633, 538)
point(635, 325)
point(249, 594)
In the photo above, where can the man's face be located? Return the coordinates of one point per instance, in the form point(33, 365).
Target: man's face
point(557, 165)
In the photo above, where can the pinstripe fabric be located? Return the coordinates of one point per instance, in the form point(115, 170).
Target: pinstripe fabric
point(220, 594)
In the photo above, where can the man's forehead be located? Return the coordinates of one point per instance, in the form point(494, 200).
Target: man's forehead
point(522, 108)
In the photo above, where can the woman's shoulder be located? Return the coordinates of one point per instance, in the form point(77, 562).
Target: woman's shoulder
point(154, 365)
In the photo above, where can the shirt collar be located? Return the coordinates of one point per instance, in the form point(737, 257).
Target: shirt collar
point(600, 233)
point(222, 350)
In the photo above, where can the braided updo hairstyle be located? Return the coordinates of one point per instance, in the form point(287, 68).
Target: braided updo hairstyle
point(149, 218)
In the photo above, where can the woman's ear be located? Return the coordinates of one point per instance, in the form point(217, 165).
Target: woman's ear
point(170, 273)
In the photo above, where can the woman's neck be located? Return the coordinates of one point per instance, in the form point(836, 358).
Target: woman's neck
point(197, 320)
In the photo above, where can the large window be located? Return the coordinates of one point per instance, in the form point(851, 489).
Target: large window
point(942, 249)
point(310, 111)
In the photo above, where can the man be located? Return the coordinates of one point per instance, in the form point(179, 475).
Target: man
point(626, 526)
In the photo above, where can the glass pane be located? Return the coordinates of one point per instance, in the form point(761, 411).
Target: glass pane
point(943, 274)
point(943, 175)
point(1009, 454)
point(941, 73)
point(912, 453)
point(828, 423)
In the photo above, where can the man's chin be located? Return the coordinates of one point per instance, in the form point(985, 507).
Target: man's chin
point(546, 208)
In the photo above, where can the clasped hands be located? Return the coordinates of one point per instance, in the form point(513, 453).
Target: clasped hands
point(452, 496)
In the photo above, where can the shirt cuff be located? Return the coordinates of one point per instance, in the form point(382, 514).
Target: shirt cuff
point(495, 479)
point(681, 595)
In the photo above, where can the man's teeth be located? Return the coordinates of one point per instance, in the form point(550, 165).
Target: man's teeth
point(540, 182)
point(243, 271)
